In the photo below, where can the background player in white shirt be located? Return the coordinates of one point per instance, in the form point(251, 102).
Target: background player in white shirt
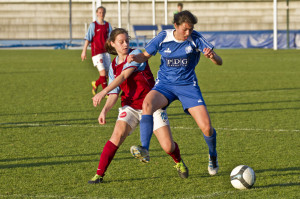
point(180, 51)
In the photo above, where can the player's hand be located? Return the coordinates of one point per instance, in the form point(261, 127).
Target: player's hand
point(83, 56)
point(97, 98)
point(101, 118)
point(130, 58)
point(209, 53)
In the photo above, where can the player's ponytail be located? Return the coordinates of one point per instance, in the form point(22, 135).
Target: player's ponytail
point(112, 38)
point(185, 16)
point(109, 48)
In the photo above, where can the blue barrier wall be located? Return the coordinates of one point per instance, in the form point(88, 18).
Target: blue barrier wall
point(220, 39)
point(252, 39)
point(56, 44)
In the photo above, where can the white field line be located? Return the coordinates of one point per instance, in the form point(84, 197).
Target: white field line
point(176, 127)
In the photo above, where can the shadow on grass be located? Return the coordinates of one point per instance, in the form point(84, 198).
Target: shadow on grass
point(246, 91)
point(130, 179)
point(46, 123)
point(253, 103)
point(20, 72)
point(39, 164)
point(281, 169)
point(257, 110)
point(45, 113)
point(123, 150)
point(236, 111)
point(174, 116)
point(278, 185)
point(47, 157)
point(157, 156)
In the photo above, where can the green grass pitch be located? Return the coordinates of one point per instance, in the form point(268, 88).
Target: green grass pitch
point(51, 139)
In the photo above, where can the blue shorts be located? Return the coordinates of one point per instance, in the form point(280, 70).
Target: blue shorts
point(189, 95)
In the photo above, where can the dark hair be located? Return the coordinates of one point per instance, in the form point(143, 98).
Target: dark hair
point(104, 9)
point(180, 4)
point(185, 16)
point(112, 38)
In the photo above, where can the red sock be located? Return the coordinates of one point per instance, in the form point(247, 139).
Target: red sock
point(176, 154)
point(106, 157)
point(102, 81)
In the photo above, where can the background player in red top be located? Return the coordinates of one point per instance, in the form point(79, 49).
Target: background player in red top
point(135, 81)
point(97, 35)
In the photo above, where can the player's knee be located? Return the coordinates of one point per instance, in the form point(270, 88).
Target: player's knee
point(118, 137)
point(207, 130)
point(102, 72)
point(147, 107)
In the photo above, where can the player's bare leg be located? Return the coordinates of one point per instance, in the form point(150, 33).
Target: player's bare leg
point(153, 101)
point(201, 116)
point(167, 143)
point(121, 131)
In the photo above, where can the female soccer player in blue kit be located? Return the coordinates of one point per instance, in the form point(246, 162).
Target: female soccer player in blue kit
point(180, 50)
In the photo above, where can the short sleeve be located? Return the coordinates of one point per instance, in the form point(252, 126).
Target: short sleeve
point(137, 66)
point(90, 33)
point(111, 78)
point(153, 45)
point(201, 42)
point(109, 29)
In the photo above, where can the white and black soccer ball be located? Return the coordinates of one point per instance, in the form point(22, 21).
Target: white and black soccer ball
point(242, 177)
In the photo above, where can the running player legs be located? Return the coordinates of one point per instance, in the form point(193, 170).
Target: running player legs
point(201, 116)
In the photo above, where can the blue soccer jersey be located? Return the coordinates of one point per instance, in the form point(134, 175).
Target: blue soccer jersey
point(178, 58)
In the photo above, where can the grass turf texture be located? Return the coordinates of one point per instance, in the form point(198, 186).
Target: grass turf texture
point(51, 140)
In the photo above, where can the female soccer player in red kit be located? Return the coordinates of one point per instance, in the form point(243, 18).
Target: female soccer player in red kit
point(135, 80)
point(97, 35)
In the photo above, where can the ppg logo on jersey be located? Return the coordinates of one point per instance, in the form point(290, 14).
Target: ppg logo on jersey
point(181, 62)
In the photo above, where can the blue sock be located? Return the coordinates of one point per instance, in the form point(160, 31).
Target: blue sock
point(146, 130)
point(211, 142)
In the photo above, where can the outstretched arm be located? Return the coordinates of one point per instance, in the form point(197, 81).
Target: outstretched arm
point(209, 53)
point(139, 58)
point(114, 84)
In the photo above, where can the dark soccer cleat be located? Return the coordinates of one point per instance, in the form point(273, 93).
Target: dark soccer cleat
point(182, 170)
point(213, 166)
point(96, 179)
point(140, 153)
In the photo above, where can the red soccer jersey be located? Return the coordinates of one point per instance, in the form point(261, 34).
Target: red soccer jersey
point(99, 39)
point(136, 86)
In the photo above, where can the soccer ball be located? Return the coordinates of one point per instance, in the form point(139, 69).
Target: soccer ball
point(242, 177)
